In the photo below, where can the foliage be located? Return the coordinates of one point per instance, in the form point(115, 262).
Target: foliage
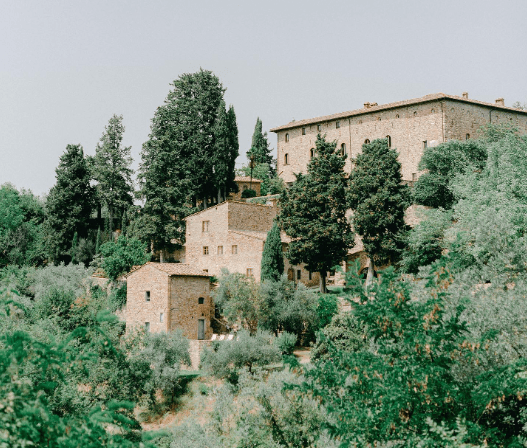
point(271, 183)
point(442, 163)
point(249, 193)
point(286, 342)
point(69, 204)
point(117, 299)
point(225, 358)
point(328, 306)
point(20, 227)
point(69, 279)
point(260, 150)
point(121, 255)
point(238, 299)
point(110, 167)
point(272, 266)
point(164, 353)
point(313, 213)
point(379, 199)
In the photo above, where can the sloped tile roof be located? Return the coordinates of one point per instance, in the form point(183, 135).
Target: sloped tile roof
point(423, 99)
point(246, 179)
point(174, 269)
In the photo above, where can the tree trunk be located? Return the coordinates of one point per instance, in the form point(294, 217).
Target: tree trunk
point(323, 289)
point(219, 195)
point(162, 256)
point(205, 203)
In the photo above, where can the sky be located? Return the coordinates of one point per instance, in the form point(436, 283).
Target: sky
point(67, 66)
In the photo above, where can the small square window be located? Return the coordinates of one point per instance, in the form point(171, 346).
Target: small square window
point(161, 317)
point(205, 250)
point(147, 327)
point(467, 137)
point(220, 250)
point(147, 296)
point(303, 131)
point(298, 274)
point(337, 124)
point(234, 249)
point(204, 226)
point(249, 272)
point(319, 127)
point(425, 144)
point(201, 301)
point(286, 137)
point(414, 177)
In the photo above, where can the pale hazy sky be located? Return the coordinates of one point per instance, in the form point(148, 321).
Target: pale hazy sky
point(67, 66)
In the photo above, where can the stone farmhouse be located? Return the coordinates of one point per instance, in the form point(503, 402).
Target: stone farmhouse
point(245, 183)
point(409, 125)
point(231, 235)
point(167, 296)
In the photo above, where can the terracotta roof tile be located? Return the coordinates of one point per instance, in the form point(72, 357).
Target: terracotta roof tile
point(423, 99)
point(246, 179)
point(174, 269)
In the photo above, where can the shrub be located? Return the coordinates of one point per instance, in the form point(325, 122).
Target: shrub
point(117, 299)
point(121, 255)
point(249, 193)
point(328, 306)
point(286, 343)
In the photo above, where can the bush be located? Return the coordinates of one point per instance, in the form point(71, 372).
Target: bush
point(249, 193)
point(286, 343)
point(121, 255)
point(117, 299)
point(328, 306)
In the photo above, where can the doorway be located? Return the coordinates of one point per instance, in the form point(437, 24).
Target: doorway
point(201, 329)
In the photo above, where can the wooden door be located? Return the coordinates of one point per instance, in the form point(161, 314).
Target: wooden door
point(201, 328)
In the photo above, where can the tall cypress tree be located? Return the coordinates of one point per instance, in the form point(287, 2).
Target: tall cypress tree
point(69, 203)
point(313, 213)
point(272, 266)
point(260, 146)
point(111, 169)
point(379, 199)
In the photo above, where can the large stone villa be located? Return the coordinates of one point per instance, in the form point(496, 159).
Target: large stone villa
point(232, 234)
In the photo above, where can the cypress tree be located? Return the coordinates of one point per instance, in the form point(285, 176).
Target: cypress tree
point(313, 213)
point(260, 147)
point(272, 266)
point(379, 199)
point(74, 245)
point(98, 241)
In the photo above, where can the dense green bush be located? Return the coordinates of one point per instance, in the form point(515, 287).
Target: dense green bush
point(328, 306)
point(286, 343)
point(249, 193)
point(121, 255)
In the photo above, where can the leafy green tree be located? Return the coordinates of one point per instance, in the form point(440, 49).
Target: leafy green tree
point(378, 200)
point(120, 256)
point(272, 266)
point(69, 203)
point(313, 213)
point(260, 147)
point(20, 227)
point(110, 167)
point(441, 164)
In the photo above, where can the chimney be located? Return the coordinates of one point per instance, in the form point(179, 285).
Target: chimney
point(366, 105)
point(373, 104)
point(465, 95)
point(500, 102)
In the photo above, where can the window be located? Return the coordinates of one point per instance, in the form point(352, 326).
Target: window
point(234, 249)
point(343, 149)
point(366, 141)
point(201, 301)
point(425, 144)
point(310, 275)
point(205, 250)
point(414, 177)
point(249, 272)
point(303, 131)
point(433, 111)
point(378, 118)
point(147, 296)
point(286, 137)
point(220, 250)
point(312, 152)
point(415, 114)
point(467, 137)
point(319, 127)
point(298, 274)
point(286, 159)
point(397, 116)
point(161, 317)
point(337, 124)
point(204, 226)
point(147, 327)
point(389, 141)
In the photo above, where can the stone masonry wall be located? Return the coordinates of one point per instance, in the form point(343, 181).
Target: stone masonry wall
point(185, 310)
point(252, 217)
point(138, 310)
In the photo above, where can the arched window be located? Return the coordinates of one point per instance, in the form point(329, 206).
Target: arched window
point(366, 141)
point(303, 131)
point(389, 141)
point(343, 149)
point(378, 118)
point(397, 116)
point(201, 301)
point(286, 137)
point(312, 153)
point(286, 159)
point(415, 114)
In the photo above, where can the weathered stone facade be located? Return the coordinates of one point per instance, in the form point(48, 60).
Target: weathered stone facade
point(170, 296)
point(232, 235)
point(411, 125)
point(245, 183)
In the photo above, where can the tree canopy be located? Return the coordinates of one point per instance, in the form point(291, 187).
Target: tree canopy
point(272, 266)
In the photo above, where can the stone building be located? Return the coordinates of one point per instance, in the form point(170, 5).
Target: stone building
point(245, 183)
point(169, 296)
point(409, 125)
point(232, 235)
